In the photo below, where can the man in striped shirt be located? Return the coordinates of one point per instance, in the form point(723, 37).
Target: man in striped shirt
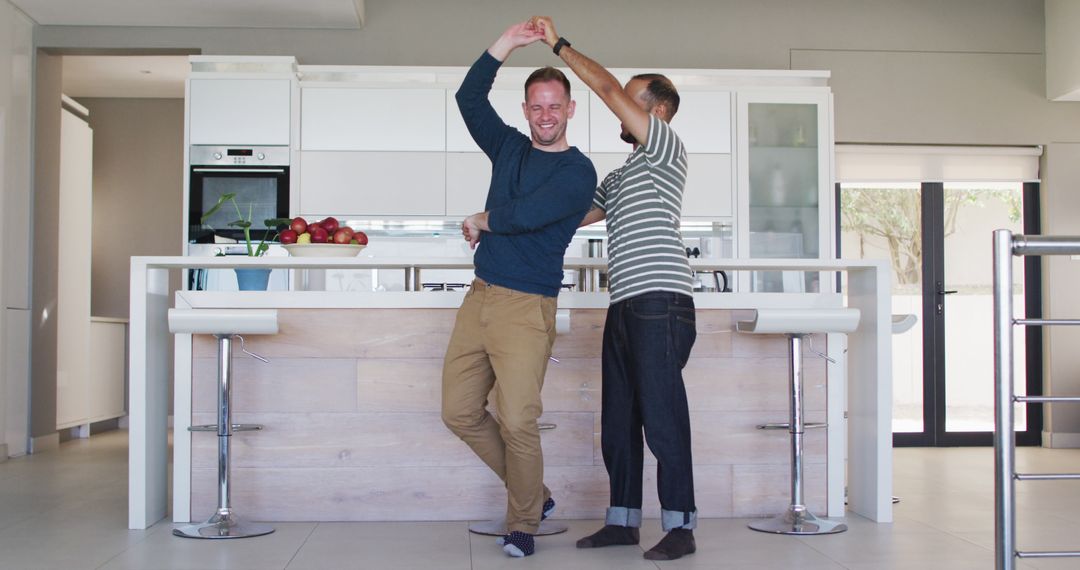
point(650, 325)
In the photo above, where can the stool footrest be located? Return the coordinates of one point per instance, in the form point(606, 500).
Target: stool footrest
point(235, 427)
point(785, 425)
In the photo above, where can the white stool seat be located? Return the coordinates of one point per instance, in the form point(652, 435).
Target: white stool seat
point(226, 325)
point(801, 321)
point(223, 321)
point(795, 324)
point(903, 323)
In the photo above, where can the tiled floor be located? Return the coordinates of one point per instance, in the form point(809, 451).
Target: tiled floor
point(68, 509)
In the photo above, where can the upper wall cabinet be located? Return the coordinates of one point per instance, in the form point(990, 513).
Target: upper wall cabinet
point(703, 121)
point(371, 119)
point(240, 111)
point(508, 104)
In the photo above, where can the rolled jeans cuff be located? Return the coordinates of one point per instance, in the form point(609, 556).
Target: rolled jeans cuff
point(676, 519)
point(622, 516)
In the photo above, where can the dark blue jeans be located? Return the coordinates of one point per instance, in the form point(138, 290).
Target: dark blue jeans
point(647, 341)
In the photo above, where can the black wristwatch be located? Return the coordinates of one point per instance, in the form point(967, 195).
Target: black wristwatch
point(559, 45)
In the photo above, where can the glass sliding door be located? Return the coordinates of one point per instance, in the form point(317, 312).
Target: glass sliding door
point(937, 237)
point(972, 212)
point(883, 221)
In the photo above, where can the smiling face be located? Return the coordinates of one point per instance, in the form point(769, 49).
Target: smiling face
point(548, 107)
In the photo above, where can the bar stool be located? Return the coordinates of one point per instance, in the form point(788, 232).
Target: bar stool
point(795, 324)
point(224, 324)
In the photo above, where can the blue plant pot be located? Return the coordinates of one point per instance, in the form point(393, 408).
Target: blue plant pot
point(252, 279)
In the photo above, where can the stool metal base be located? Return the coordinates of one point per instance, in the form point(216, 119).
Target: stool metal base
point(223, 526)
point(498, 528)
point(798, 520)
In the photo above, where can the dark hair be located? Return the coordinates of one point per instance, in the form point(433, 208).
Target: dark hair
point(660, 90)
point(547, 74)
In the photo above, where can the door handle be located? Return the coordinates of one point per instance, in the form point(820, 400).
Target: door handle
point(941, 289)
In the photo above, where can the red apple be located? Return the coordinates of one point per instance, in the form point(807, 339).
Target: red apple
point(360, 237)
point(343, 235)
point(288, 236)
point(330, 224)
point(318, 234)
point(298, 225)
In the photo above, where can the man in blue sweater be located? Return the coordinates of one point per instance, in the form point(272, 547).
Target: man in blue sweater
point(541, 189)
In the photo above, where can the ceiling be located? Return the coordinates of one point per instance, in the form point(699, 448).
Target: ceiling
point(331, 14)
point(125, 76)
point(163, 76)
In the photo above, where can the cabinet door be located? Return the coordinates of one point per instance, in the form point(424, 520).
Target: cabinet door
point(365, 184)
point(239, 111)
point(468, 175)
point(785, 183)
point(703, 122)
point(507, 103)
point(344, 118)
point(708, 182)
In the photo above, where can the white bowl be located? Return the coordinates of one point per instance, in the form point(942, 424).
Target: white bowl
point(323, 249)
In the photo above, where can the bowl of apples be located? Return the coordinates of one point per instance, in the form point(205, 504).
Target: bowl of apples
point(325, 238)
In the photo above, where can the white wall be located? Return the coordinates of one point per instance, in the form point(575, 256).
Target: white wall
point(904, 71)
point(16, 52)
point(1062, 47)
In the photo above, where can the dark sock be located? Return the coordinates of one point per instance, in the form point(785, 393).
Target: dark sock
point(610, 535)
point(547, 509)
point(518, 544)
point(678, 543)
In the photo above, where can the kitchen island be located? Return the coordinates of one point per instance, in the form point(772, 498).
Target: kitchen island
point(350, 401)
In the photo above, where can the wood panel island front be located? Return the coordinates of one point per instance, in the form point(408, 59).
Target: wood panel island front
point(350, 404)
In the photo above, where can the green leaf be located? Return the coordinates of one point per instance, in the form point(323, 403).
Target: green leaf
point(240, 224)
point(276, 222)
point(263, 248)
point(221, 202)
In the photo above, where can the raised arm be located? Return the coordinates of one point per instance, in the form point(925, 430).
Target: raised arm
point(634, 118)
point(484, 124)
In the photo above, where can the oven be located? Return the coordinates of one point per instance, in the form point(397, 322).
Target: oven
point(258, 175)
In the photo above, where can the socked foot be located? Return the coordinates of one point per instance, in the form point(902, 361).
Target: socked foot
point(678, 543)
point(517, 544)
point(610, 535)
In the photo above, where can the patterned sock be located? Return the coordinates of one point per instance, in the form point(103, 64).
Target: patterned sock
point(549, 507)
point(518, 544)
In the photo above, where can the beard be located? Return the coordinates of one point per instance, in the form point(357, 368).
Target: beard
point(627, 137)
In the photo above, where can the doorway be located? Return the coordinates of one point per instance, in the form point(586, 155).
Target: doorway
point(937, 238)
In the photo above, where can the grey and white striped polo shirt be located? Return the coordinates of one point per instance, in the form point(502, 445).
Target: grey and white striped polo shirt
point(643, 204)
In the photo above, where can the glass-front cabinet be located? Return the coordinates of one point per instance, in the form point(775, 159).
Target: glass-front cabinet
point(785, 199)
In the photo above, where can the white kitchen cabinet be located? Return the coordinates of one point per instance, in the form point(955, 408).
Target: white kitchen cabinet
point(508, 104)
point(239, 111)
point(73, 272)
point(468, 175)
point(362, 119)
point(703, 122)
point(786, 197)
point(372, 184)
point(708, 182)
point(108, 368)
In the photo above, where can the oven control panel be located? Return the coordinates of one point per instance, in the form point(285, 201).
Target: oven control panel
point(212, 155)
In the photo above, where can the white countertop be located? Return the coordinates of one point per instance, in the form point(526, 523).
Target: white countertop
point(403, 262)
point(452, 300)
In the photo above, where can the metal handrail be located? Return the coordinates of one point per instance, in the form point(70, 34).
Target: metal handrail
point(1006, 245)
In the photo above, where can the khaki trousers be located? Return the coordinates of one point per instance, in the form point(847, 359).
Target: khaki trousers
point(502, 338)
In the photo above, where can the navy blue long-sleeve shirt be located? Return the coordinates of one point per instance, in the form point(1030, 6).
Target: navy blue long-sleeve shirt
point(536, 199)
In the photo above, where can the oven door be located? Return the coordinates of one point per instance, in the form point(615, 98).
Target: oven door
point(263, 189)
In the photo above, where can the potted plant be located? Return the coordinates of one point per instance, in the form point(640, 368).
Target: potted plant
point(250, 279)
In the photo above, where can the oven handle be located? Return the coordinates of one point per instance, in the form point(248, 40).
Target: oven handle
point(256, 170)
